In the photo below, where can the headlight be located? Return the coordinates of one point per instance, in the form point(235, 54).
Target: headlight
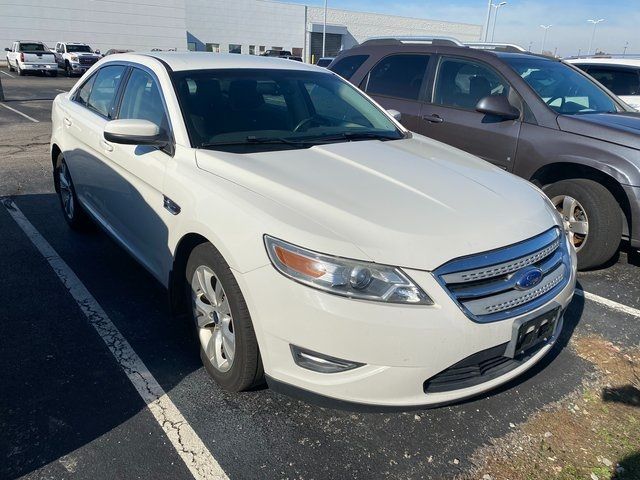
point(73, 58)
point(341, 276)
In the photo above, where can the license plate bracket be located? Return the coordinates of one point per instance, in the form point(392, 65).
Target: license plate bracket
point(529, 333)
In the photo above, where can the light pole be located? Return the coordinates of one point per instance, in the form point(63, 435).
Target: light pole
point(485, 33)
point(593, 34)
point(530, 45)
point(324, 31)
point(544, 38)
point(624, 51)
point(495, 17)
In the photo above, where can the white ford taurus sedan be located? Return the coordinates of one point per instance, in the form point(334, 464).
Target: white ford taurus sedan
point(308, 237)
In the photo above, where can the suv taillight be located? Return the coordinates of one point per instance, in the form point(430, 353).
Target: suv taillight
point(22, 57)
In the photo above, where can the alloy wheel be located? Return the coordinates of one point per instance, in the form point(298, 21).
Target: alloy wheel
point(212, 315)
point(66, 193)
point(575, 219)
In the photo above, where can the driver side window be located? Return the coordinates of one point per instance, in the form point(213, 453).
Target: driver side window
point(462, 83)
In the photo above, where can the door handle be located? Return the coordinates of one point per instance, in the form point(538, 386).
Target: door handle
point(435, 118)
point(67, 122)
point(106, 146)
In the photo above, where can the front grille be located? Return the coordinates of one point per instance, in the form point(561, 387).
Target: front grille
point(476, 369)
point(87, 60)
point(486, 286)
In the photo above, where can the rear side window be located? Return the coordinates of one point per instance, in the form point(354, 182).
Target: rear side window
point(348, 66)
point(399, 76)
point(142, 99)
point(104, 89)
point(462, 83)
point(82, 95)
point(620, 81)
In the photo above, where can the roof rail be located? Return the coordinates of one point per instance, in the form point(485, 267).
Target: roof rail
point(496, 47)
point(430, 40)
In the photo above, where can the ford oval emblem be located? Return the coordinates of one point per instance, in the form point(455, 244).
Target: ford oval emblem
point(529, 278)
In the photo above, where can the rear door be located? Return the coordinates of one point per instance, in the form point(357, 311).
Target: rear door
point(397, 82)
point(450, 115)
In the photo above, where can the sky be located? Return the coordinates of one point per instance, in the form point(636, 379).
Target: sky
point(519, 21)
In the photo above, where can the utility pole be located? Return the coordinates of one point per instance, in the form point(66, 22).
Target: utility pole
point(544, 38)
point(530, 45)
point(626, 45)
point(593, 34)
point(324, 31)
point(485, 33)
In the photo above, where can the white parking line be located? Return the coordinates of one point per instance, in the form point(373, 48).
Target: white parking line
point(609, 303)
point(7, 74)
point(20, 113)
point(184, 439)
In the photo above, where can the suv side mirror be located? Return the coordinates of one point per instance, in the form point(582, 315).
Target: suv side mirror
point(97, 52)
point(134, 132)
point(498, 106)
point(6, 49)
point(395, 114)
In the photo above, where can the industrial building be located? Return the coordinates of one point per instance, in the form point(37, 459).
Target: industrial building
point(229, 26)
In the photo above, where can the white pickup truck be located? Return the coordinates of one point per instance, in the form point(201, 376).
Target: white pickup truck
point(75, 58)
point(26, 56)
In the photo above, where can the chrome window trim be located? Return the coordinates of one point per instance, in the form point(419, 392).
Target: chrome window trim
point(556, 260)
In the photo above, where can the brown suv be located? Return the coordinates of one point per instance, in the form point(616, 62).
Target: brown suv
point(537, 117)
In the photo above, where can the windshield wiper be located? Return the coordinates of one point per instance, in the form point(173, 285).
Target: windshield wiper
point(251, 140)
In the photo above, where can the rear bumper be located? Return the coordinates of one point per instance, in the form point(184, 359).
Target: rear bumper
point(633, 194)
point(40, 67)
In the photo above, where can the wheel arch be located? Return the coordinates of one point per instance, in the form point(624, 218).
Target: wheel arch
point(55, 152)
point(184, 247)
point(555, 172)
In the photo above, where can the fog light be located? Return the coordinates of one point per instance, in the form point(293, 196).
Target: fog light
point(318, 362)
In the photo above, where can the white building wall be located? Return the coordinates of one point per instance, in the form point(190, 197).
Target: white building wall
point(362, 25)
point(245, 22)
point(103, 24)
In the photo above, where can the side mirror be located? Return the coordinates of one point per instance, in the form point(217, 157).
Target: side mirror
point(7, 49)
point(97, 52)
point(134, 132)
point(395, 114)
point(498, 106)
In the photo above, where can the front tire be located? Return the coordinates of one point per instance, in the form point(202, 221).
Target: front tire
point(73, 212)
point(593, 217)
point(228, 346)
point(11, 69)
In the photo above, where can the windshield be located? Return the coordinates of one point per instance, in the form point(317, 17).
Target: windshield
point(79, 48)
point(32, 47)
point(562, 88)
point(260, 108)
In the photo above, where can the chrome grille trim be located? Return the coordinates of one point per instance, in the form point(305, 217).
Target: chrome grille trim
point(502, 268)
point(485, 285)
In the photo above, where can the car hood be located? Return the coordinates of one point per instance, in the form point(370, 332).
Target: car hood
point(414, 203)
point(619, 128)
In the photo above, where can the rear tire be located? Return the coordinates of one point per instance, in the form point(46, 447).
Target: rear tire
point(72, 211)
point(598, 209)
point(220, 318)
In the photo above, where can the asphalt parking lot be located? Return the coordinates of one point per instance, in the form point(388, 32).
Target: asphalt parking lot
point(69, 410)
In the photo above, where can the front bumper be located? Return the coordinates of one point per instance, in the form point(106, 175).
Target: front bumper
point(633, 194)
point(401, 346)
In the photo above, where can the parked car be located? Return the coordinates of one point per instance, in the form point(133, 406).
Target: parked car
point(25, 56)
point(276, 53)
point(324, 61)
point(620, 75)
point(534, 116)
point(113, 51)
point(75, 58)
point(295, 223)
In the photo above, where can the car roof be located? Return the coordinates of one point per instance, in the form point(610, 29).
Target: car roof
point(632, 62)
point(180, 61)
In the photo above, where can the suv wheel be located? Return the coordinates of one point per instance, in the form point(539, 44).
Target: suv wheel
point(593, 218)
point(228, 345)
point(11, 69)
point(67, 69)
point(73, 212)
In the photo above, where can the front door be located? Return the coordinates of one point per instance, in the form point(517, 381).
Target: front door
point(451, 116)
